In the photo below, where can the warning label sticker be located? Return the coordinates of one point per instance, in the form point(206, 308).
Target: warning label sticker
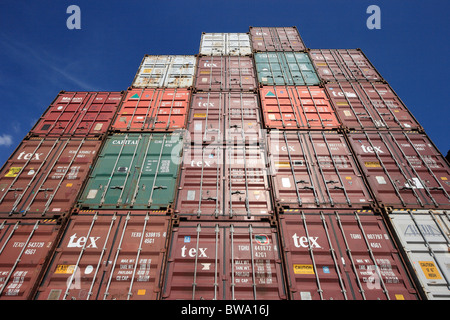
point(372, 164)
point(303, 269)
point(430, 270)
point(65, 268)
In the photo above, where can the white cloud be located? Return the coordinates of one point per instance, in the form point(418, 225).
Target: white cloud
point(5, 140)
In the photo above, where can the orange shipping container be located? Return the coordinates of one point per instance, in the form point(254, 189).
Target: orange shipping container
point(297, 107)
point(153, 110)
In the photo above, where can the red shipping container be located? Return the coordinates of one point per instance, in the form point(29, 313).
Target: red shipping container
point(224, 182)
point(297, 107)
point(404, 169)
point(26, 247)
point(224, 261)
point(43, 177)
point(276, 39)
point(334, 65)
point(108, 256)
point(231, 118)
point(78, 114)
point(370, 105)
point(152, 110)
point(342, 255)
point(225, 73)
point(315, 170)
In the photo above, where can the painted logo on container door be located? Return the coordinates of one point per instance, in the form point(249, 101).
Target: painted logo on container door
point(369, 149)
point(262, 239)
point(79, 242)
point(305, 242)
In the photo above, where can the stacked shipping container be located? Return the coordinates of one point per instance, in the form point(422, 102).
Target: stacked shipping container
point(256, 169)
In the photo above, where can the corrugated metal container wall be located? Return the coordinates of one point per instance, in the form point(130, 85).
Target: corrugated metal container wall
point(315, 170)
point(224, 182)
point(224, 261)
point(299, 107)
point(276, 39)
point(232, 118)
point(225, 44)
point(166, 71)
point(153, 110)
point(217, 73)
point(370, 105)
point(108, 256)
point(43, 177)
point(342, 255)
point(336, 65)
point(26, 247)
point(285, 69)
point(424, 236)
point(138, 171)
point(78, 114)
point(404, 169)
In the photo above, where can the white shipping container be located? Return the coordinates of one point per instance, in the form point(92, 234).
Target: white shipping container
point(424, 235)
point(166, 71)
point(231, 44)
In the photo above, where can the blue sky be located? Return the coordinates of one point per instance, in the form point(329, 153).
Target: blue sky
point(40, 56)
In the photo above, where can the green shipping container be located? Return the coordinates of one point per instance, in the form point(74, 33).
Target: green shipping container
point(285, 69)
point(134, 171)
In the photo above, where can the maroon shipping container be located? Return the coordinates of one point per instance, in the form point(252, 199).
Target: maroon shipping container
point(276, 39)
point(224, 73)
point(26, 246)
point(403, 169)
point(108, 256)
point(225, 118)
point(370, 105)
point(315, 170)
point(78, 114)
point(224, 261)
point(224, 182)
point(43, 177)
point(342, 255)
point(334, 65)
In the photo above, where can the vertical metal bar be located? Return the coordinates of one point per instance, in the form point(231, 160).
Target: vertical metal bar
point(171, 109)
point(301, 107)
point(250, 231)
point(216, 211)
point(16, 226)
point(351, 106)
point(200, 198)
point(233, 284)
point(309, 170)
point(150, 201)
point(137, 257)
point(119, 200)
point(150, 107)
point(291, 165)
point(75, 269)
point(98, 112)
point(119, 248)
point(90, 292)
point(230, 187)
point(216, 284)
point(136, 189)
point(194, 283)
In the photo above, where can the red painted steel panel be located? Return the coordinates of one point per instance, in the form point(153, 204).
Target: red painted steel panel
point(220, 73)
point(342, 255)
point(78, 114)
point(370, 105)
point(224, 261)
point(299, 107)
point(42, 178)
point(108, 256)
point(219, 117)
point(153, 110)
point(315, 170)
point(26, 247)
point(224, 182)
point(404, 169)
point(276, 39)
point(336, 65)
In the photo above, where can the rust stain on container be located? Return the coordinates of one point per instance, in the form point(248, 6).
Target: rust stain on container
point(404, 169)
point(43, 177)
point(222, 73)
point(315, 170)
point(225, 117)
point(108, 256)
point(299, 107)
point(343, 65)
point(78, 114)
point(276, 39)
point(153, 110)
point(342, 255)
point(224, 261)
point(366, 105)
point(224, 182)
point(26, 247)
